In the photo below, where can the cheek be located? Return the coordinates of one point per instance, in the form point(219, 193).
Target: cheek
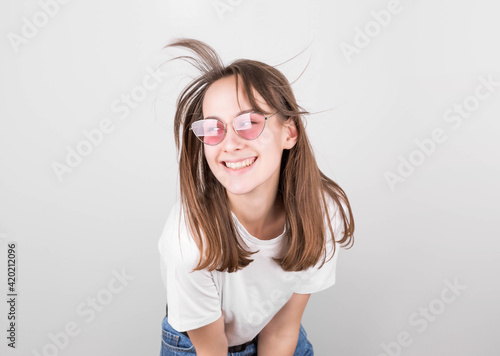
point(266, 138)
point(269, 142)
point(208, 152)
point(273, 136)
point(210, 158)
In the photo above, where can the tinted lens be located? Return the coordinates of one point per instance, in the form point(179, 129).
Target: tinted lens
point(249, 125)
point(210, 131)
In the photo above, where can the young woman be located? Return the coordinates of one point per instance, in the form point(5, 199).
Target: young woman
point(256, 228)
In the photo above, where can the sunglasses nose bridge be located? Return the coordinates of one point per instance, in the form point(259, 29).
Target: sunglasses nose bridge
point(227, 129)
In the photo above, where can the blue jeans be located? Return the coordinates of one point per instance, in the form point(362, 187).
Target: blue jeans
point(175, 343)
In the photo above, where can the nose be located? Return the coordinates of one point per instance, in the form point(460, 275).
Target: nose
point(232, 140)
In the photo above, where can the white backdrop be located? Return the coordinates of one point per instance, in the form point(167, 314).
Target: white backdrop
point(410, 99)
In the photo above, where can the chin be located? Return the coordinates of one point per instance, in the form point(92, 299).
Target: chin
point(239, 189)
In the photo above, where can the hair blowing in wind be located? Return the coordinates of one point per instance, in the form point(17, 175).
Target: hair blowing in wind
point(302, 190)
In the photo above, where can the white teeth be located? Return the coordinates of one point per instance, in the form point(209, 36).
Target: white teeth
point(241, 164)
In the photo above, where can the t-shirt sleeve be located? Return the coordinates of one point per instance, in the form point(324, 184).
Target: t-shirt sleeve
point(192, 297)
point(316, 279)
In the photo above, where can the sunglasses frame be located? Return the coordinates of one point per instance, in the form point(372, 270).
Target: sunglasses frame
point(225, 127)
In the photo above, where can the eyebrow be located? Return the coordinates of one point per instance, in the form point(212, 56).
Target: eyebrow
point(240, 113)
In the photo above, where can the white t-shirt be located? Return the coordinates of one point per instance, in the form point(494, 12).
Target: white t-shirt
point(249, 298)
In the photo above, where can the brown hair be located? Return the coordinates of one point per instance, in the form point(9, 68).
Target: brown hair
point(302, 185)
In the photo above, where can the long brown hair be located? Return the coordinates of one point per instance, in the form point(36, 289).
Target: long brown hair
point(302, 185)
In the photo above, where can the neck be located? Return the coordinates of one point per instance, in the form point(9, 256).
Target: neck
point(261, 213)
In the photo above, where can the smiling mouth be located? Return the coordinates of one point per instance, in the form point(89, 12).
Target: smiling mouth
point(241, 164)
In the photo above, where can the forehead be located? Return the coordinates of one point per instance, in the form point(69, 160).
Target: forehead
point(222, 98)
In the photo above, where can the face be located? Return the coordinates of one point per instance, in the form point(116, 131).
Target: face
point(264, 153)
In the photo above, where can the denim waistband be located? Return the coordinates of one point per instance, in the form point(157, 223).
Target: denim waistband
point(236, 348)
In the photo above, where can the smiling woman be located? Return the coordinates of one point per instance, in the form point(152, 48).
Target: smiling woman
point(264, 149)
point(258, 224)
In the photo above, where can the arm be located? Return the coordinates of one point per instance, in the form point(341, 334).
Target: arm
point(210, 339)
point(279, 337)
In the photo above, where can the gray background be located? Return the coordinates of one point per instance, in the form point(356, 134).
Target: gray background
point(107, 214)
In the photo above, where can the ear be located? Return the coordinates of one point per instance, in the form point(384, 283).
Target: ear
point(291, 134)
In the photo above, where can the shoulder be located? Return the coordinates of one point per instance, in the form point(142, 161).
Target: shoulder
point(172, 224)
point(335, 217)
point(335, 210)
point(175, 244)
